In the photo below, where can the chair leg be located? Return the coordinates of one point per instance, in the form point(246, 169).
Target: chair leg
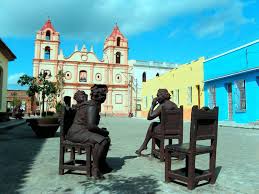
point(167, 165)
point(153, 147)
point(190, 165)
point(61, 160)
point(79, 151)
point(162, 150)
point(180, 141)
point(72, 154)
point(212, 167)
point(88, 152)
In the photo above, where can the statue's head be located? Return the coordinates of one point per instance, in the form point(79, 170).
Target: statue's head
point(98, 92)
point(162, 95)
point(80, 96)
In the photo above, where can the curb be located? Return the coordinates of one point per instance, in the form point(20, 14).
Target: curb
point(240, 126)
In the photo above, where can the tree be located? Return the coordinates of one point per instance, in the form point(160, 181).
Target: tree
point(16, 100)
point(38, 85)
point(60, 83)
point(33, 87)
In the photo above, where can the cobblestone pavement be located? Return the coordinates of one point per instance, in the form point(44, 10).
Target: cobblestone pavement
point(30, 165)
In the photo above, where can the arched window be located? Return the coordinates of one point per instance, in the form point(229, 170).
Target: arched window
point(118, 41)
point(144, 77)
point(47, 53)
point(48, 35)
point(157, 74)
point(83, 76)
point(118, 57)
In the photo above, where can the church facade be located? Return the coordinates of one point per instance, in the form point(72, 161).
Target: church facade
point(83, 69)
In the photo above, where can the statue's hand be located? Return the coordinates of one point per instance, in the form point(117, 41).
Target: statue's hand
point(105, 132)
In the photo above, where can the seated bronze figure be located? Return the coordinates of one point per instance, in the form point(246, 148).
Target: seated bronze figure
point(85, 127)
point(163, 99)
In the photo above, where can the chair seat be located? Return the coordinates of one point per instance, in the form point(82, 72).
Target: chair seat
point(185, 148)
point(67, 142)
point(161, 135)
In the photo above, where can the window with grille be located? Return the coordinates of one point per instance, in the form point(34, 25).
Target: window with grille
point(189, 95)
point(240, 95)
point(212, 96)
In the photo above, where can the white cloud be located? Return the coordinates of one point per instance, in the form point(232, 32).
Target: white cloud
point(229, 16)
point(12, 79)
point(93, 20)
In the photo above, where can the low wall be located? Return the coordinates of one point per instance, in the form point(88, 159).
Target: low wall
point(4, 116)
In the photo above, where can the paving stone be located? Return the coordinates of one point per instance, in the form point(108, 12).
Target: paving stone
point(29, 164)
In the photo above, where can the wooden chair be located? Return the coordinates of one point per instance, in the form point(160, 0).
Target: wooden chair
point(72, 164)
point(172, 128)
point(204, 126)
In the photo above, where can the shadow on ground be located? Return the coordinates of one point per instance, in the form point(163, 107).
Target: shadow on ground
point(19, 148)
point(121, 184)
point(201, 183)
point(116, 163)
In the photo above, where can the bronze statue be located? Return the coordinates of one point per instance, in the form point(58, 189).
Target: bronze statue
point(85, 127)
point(163, 98)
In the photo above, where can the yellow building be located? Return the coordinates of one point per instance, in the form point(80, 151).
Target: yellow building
point(6, 55)
point(185, 84)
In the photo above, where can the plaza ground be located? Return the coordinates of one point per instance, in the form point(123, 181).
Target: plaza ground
point(29, 165)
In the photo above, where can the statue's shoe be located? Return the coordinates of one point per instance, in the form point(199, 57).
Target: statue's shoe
point(138, 152)
point(96, 173)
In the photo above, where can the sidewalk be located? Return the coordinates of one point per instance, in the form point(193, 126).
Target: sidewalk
point(11, 123)
point(253, 125)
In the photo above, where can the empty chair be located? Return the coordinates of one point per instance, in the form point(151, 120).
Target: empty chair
point(204, 126)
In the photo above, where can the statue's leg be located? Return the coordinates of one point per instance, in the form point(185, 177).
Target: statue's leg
point(99, 153)
point(157, 141)
point(147, 138)
point(157, 130)
point(105, 168)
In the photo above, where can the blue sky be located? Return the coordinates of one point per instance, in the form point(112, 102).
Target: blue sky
point(169, 30)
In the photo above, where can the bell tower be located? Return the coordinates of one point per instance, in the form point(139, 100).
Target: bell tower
point(46, 48)
point(116, 48)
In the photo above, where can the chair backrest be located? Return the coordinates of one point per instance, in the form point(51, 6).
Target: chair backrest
point(67, 118)
point(172, 121)
point(204, 124)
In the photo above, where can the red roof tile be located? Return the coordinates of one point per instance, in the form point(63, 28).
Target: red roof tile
point(48, 25)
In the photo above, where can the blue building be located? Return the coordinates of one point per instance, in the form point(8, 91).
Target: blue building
point(231, 81)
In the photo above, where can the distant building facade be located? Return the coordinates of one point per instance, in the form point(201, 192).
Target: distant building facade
point(83, 69)
point(141, 72)
point(185, 84)
point(6, 55)
point(231, 81)
point(21, 95)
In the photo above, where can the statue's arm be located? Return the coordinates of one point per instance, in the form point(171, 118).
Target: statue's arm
point(93, 120)
point(152, 114)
